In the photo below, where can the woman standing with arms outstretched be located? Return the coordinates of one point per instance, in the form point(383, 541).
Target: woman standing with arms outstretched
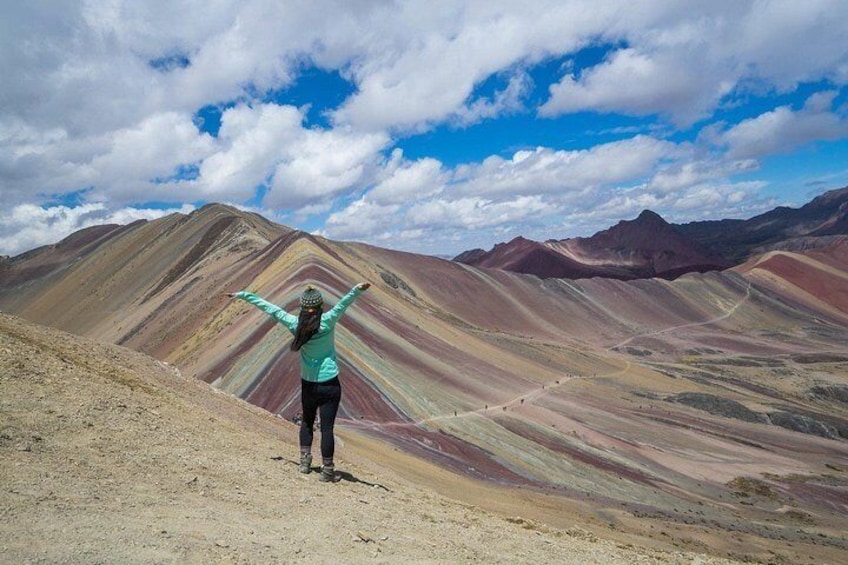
point(321, 391)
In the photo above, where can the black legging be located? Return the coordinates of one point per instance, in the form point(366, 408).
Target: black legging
point(324, 397)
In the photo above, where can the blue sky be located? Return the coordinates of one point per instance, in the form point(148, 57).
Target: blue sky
point(431, 127)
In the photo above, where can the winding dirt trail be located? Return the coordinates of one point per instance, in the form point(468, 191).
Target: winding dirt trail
point(530, 396)
point(724, 316)
point(527, 397)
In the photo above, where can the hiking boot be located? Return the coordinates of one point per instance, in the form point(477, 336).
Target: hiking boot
point(328, 474)
point(305, 463)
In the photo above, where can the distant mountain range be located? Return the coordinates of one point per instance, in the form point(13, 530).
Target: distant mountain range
point(651, 247)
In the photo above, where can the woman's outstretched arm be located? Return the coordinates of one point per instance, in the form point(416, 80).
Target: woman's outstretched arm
point(336, 312)
point(289, 320)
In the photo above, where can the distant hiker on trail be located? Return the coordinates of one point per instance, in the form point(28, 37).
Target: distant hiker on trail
point(314, 338)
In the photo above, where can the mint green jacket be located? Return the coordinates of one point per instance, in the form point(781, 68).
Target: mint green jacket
point(318, 355)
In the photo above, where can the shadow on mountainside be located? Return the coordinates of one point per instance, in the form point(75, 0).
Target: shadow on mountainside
point(341, 475)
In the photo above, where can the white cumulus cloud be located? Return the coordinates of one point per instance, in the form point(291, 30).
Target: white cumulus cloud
point(545, 170)
point(98, 99)
point(783, 129)
point(402, 181)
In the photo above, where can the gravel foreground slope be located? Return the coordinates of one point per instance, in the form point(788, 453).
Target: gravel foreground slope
point(109, 456)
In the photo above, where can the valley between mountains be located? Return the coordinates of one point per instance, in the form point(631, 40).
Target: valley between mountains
point(708, 413)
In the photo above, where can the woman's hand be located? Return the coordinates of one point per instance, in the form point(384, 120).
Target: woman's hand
point(363, 286)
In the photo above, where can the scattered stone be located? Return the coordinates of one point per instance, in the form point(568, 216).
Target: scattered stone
point(718, 406)
point(804, 424)
point(834, 393)
point(811, 358)
point(397, 283)
point(746, 486)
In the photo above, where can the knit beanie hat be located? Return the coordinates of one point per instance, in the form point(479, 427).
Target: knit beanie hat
point(311, 298)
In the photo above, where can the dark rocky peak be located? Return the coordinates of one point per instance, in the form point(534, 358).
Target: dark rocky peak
point(519, 240)
point(649, 217)
point(470, 256)
point(836, 199)
point(649, 230)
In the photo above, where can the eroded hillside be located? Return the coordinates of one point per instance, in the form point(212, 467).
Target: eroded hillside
point(712, 403)
point(109, 456)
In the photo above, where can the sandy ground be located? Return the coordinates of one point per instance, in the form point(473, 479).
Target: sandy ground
point(108, 456)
